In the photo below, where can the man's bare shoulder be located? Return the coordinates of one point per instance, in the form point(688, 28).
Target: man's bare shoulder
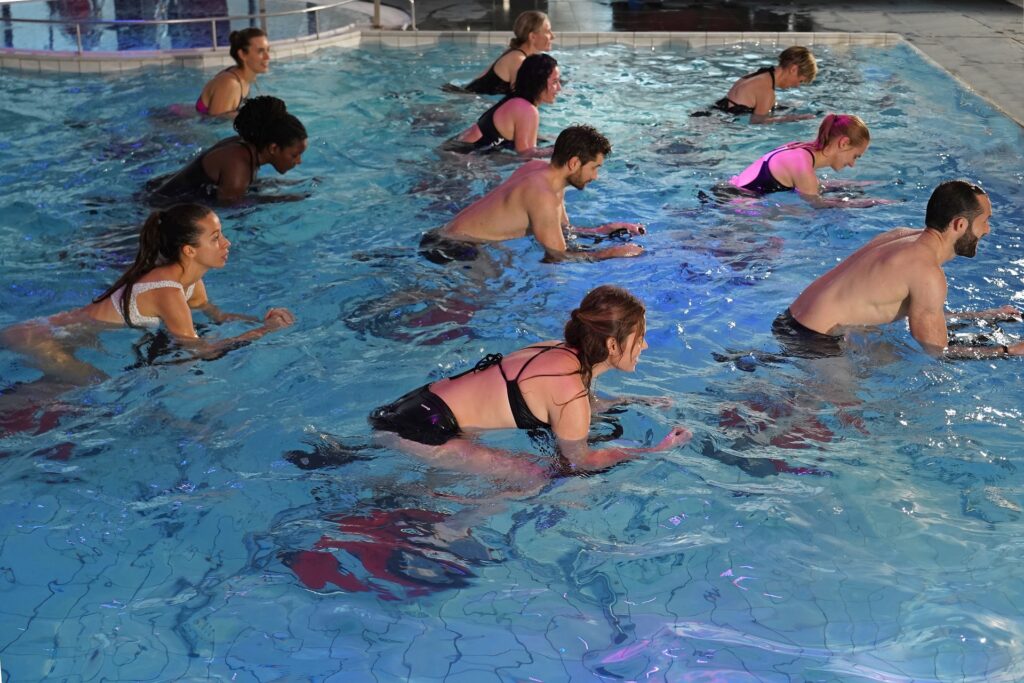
point(530, 168)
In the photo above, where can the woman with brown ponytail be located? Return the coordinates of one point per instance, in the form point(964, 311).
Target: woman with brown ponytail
point(543, 386)
point(842, 139)
point(225, 93)
point(267, 134)
point(163, 286)
point(532, 36)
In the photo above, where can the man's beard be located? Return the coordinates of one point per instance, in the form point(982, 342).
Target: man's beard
point(576, 180)
point(967, 245)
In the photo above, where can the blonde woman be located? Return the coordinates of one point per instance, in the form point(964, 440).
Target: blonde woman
point(532, 36)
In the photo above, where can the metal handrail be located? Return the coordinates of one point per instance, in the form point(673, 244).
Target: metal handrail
point(211, 20)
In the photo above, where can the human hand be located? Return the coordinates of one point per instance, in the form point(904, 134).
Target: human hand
point(677, 436)
point(627, 228)
point(277, 318)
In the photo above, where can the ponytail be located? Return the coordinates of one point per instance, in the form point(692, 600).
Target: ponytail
point(160, 242)
point(835, 126)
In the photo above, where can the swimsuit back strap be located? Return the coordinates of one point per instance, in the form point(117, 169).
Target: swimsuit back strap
point(544, 349)
point(141, 287)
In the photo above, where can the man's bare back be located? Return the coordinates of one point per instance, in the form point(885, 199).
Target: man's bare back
point(899, 275)
point(871, 286)
point(532, 202)
point(504, 213)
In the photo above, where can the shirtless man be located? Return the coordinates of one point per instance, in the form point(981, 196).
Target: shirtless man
point(532, 201)
point(754, 94)
point(899, 275)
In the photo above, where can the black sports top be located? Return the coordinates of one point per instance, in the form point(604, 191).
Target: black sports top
point(491, 83)
point(521, 413)
point(730, 107)
point(490, 138)
point(192, 181)
point(765, 182)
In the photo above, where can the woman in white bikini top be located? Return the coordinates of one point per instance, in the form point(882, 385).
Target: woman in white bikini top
point(163, 286)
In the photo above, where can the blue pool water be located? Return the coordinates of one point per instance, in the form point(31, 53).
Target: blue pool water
point(154, 529)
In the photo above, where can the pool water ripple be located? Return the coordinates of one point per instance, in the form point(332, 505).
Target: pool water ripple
point(848, 519)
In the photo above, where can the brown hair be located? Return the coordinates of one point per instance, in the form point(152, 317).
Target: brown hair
point(950, 200)
point(583, 142)
point(240, 41)
point(835, 126)
point(807, 66)
point(160, 242)
point(606, 311)
point(526, 23)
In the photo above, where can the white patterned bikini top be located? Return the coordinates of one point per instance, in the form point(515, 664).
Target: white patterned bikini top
point(137, 318)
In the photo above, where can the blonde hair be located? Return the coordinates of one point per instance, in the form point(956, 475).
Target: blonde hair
point(807, 66)
point(526, 23)
point(835, 126)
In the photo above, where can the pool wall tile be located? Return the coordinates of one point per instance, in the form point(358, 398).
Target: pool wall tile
point(89, 67)
point(723, 38)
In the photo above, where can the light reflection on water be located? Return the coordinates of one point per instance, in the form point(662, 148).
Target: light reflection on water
point(851, 519)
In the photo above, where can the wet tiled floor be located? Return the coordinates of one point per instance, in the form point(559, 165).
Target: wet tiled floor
point(980, 42)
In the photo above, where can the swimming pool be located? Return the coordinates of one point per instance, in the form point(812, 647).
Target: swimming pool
point(154, 529)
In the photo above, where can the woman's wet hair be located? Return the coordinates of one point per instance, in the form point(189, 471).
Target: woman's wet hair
point(265, 121)
point(526, 23)
point(950, 200)
point(532, 77)
point(583, 142)
point(835, 126)
point(807, 66)
point(240, 40)
point(160, 242)
point(606, 311)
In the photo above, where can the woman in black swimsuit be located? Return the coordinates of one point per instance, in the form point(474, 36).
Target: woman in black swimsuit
point(513, 123)
point(842, 139)
point(754, 94)
point(543, 386)
point(532, 36)
point(267, 134)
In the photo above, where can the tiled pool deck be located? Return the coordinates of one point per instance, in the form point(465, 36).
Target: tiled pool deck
point(980, 42)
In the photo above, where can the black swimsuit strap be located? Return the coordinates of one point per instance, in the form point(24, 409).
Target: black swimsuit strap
point(544, 349)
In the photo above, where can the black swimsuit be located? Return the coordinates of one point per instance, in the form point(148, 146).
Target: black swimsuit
point(422, 416)
point(765, 182)
point(491, 83)
point(730, 107)
point(490, 138)
point(193, 182)
point(799, 341)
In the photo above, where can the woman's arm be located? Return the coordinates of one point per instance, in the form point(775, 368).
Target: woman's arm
point(571, 424)
point(526, 122)
point(176, 315)
point(226, 96)
point(201, 302)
